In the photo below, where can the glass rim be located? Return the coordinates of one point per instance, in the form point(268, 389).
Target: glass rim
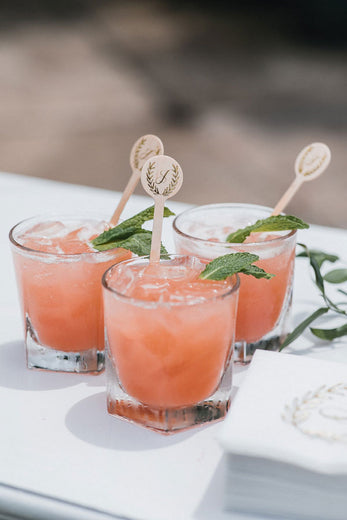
point(289, 234)
point(47, 216)
point(148, 303)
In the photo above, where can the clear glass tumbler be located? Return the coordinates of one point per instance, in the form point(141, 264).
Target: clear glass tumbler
point(169, 343)
point(59, 283)
point(264, 305)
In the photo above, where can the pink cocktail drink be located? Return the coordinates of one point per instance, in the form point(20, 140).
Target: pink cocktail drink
point(169, 342)
point(263, 304)
point(59, 280)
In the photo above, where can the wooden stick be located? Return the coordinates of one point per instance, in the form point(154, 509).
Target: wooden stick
point(159, 204)
point(130, 187)
point(145, 147)
point(287, 196)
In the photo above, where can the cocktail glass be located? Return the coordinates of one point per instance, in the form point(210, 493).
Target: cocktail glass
point(264, 305)
point(169, 343)
point(59, 281)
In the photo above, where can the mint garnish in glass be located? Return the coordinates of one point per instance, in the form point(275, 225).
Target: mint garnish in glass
point(272, 223)
point(130, 234)
point(227, 265)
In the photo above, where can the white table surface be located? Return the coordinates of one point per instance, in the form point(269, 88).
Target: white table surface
point(56, 438)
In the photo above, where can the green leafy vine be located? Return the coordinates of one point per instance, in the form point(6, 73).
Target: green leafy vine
point(336, 276)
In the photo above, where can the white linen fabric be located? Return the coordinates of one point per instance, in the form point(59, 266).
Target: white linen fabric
point(286, 439)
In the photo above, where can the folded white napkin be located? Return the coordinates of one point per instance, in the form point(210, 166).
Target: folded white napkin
point(286, 439)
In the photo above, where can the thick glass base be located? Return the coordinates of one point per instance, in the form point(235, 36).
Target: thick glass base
point(45, 358)
point(243, 351)
point(167, 420)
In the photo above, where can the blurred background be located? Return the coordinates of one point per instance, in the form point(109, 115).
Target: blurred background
point(234, 89)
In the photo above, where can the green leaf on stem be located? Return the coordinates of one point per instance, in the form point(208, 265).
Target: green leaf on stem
point(273, 223)
point(314, 262)
point(330, 334)
point(336, 276)
point(317, 258)
point(318, 274)
point(302, 326)
point(320, 256)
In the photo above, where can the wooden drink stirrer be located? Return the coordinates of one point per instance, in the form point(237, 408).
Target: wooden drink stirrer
point(311, 162)
point(145, 147)
point(161, 178)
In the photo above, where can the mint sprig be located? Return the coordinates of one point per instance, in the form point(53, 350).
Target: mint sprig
point(130, 235)
point(317, 259)
point(273, 223)
point(227, 265)
point(138, 243)
point(128, 227)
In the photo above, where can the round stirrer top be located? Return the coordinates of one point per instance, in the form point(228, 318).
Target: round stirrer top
point(311, 162)
point(145, 147)
point(161, 178)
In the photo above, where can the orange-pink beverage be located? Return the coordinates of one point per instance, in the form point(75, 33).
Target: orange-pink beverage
point(169, 340)
point(263, 304)
point(59, 281)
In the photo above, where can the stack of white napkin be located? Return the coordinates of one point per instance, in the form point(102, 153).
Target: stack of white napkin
point(286, 439)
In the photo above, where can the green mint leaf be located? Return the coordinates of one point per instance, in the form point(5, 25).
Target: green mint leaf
point(273, 223)
point(128, 227)
point(336, 276)
point(302, 326)
point(119, 243)
point(257, 272)
point(114, 234)
point(227, 265)
point(330, 334)
point(138, 243)
point(320, 256)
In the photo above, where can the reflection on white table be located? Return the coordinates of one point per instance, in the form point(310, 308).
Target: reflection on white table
point(56, 438)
